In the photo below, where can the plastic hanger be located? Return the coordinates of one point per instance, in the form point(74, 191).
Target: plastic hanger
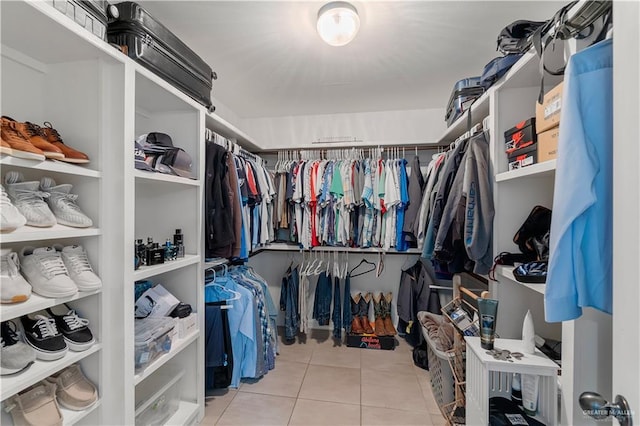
point(363, 261)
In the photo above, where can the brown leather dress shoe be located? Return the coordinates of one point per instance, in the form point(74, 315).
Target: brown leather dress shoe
point(36, 137)
point(20, 146)
point(70, 155)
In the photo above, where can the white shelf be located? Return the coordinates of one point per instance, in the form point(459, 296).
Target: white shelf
point(293, 247)
point(177, 346)
point(479, 110)
point(70, 417)
point(545, 169)
point(37, 303)
point(40, 370)
point(507, 272)
point(31, 233)
point(169, 265)
point(228, 130)
point(537, 363)
point(50, 166)
point(161, 177)
point(186, 414)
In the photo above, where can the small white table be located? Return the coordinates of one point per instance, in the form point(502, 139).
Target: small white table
point(487, 377)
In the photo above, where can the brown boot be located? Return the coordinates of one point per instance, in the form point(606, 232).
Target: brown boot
point(356, 326)
point(364, 313)
point(388, 324)
point(377, 309)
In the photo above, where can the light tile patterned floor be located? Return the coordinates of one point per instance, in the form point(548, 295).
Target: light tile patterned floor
point(319, 383)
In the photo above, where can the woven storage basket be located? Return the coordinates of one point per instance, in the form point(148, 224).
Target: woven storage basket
point(442, 381)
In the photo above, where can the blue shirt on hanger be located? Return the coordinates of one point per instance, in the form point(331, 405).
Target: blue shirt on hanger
point(580, 246)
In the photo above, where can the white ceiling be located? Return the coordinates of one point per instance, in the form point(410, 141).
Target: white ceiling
point(408, 54)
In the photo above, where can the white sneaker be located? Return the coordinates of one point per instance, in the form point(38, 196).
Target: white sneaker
point(46, 272)
point(13, 287)
point(80, 270)
point(10, 216)
point(29, 200)
point(63, 204)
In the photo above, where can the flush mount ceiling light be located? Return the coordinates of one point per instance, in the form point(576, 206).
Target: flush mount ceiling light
point(338, 23)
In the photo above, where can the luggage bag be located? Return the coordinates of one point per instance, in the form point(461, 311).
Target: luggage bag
point(464, 92)
point(151, 44)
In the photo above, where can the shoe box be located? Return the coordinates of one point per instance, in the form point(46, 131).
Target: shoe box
point(371, 341)
point(523, 157)
point(548, 144)
point(548, 113)
point(520, 136)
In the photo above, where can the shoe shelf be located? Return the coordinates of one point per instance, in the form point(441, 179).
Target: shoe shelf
point(545, 169)
point(70, 417)
point(50, 166)
point(507, 272)
point(37, 303)
point(40, 370)
point(186, 414)
point(169, 265)
point(160, 177)
point(31, 233)
point(177, 346)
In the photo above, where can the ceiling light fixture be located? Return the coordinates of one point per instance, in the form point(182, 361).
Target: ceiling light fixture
point(338, 23)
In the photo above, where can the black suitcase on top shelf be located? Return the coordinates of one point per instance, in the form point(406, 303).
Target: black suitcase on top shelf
point(464, 92)
point(150, 43)
point(92, 15)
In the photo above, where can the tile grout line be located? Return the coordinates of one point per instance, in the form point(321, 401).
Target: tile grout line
point(304, 376)
point(225, 408)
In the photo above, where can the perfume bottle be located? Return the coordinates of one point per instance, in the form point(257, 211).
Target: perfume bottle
point(178, 241)
point(169, 250)
point(155, 255)
point(141, 253)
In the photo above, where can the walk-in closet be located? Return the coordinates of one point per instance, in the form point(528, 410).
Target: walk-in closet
point(319, 212)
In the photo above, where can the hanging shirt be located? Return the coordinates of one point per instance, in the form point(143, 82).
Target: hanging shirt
point(580, 263)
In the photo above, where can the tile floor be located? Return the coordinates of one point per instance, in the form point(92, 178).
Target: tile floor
point(318, 383)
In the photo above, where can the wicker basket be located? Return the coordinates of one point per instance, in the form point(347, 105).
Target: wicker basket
point(442, 380)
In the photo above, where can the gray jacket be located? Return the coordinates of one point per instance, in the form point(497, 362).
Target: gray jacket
point(416, 182)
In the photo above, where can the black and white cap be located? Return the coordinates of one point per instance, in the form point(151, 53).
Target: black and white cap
point(140, 157)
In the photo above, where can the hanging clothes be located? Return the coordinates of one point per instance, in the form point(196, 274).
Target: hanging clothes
point(580, 263)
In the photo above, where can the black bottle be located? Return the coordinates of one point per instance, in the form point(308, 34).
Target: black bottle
point(178, 241)
point(155, 255)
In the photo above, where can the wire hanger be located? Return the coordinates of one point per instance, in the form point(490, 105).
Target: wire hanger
point(363, 261)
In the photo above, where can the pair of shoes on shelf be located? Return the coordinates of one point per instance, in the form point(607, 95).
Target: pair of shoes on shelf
point(44, 203)
point(58, 271)
point(54, 331)
point(32, 142)
point(40, 404)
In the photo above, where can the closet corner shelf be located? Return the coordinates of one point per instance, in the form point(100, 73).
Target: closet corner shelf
point(30, 233)
point(292, 247)
point(50, 166)
point(71, 417)
point(228, 130)
point(507, 272)
point(545, 169)
point(40, 370)
point(170, 265)
point(37, 303)
point(479, 110)
point(186, 414)
point(177, 345)
point(160, 177)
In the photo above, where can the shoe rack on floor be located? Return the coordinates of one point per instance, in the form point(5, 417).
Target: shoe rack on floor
point(100, 101)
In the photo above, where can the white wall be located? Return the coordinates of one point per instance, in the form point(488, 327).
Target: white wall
point(400, 127)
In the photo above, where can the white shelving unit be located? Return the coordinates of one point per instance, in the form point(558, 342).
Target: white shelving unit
point(507, 272)
point(100, 101)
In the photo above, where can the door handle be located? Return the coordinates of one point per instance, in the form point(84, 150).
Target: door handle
point(599, 408)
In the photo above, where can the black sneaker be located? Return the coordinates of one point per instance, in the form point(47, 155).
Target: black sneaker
point(41, 334)
point(74, 329)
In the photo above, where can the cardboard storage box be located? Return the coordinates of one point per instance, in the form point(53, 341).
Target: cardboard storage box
point(520, 136)
point(371, 341)
point(523, 157)
point(548, 144)
point(548, 114)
